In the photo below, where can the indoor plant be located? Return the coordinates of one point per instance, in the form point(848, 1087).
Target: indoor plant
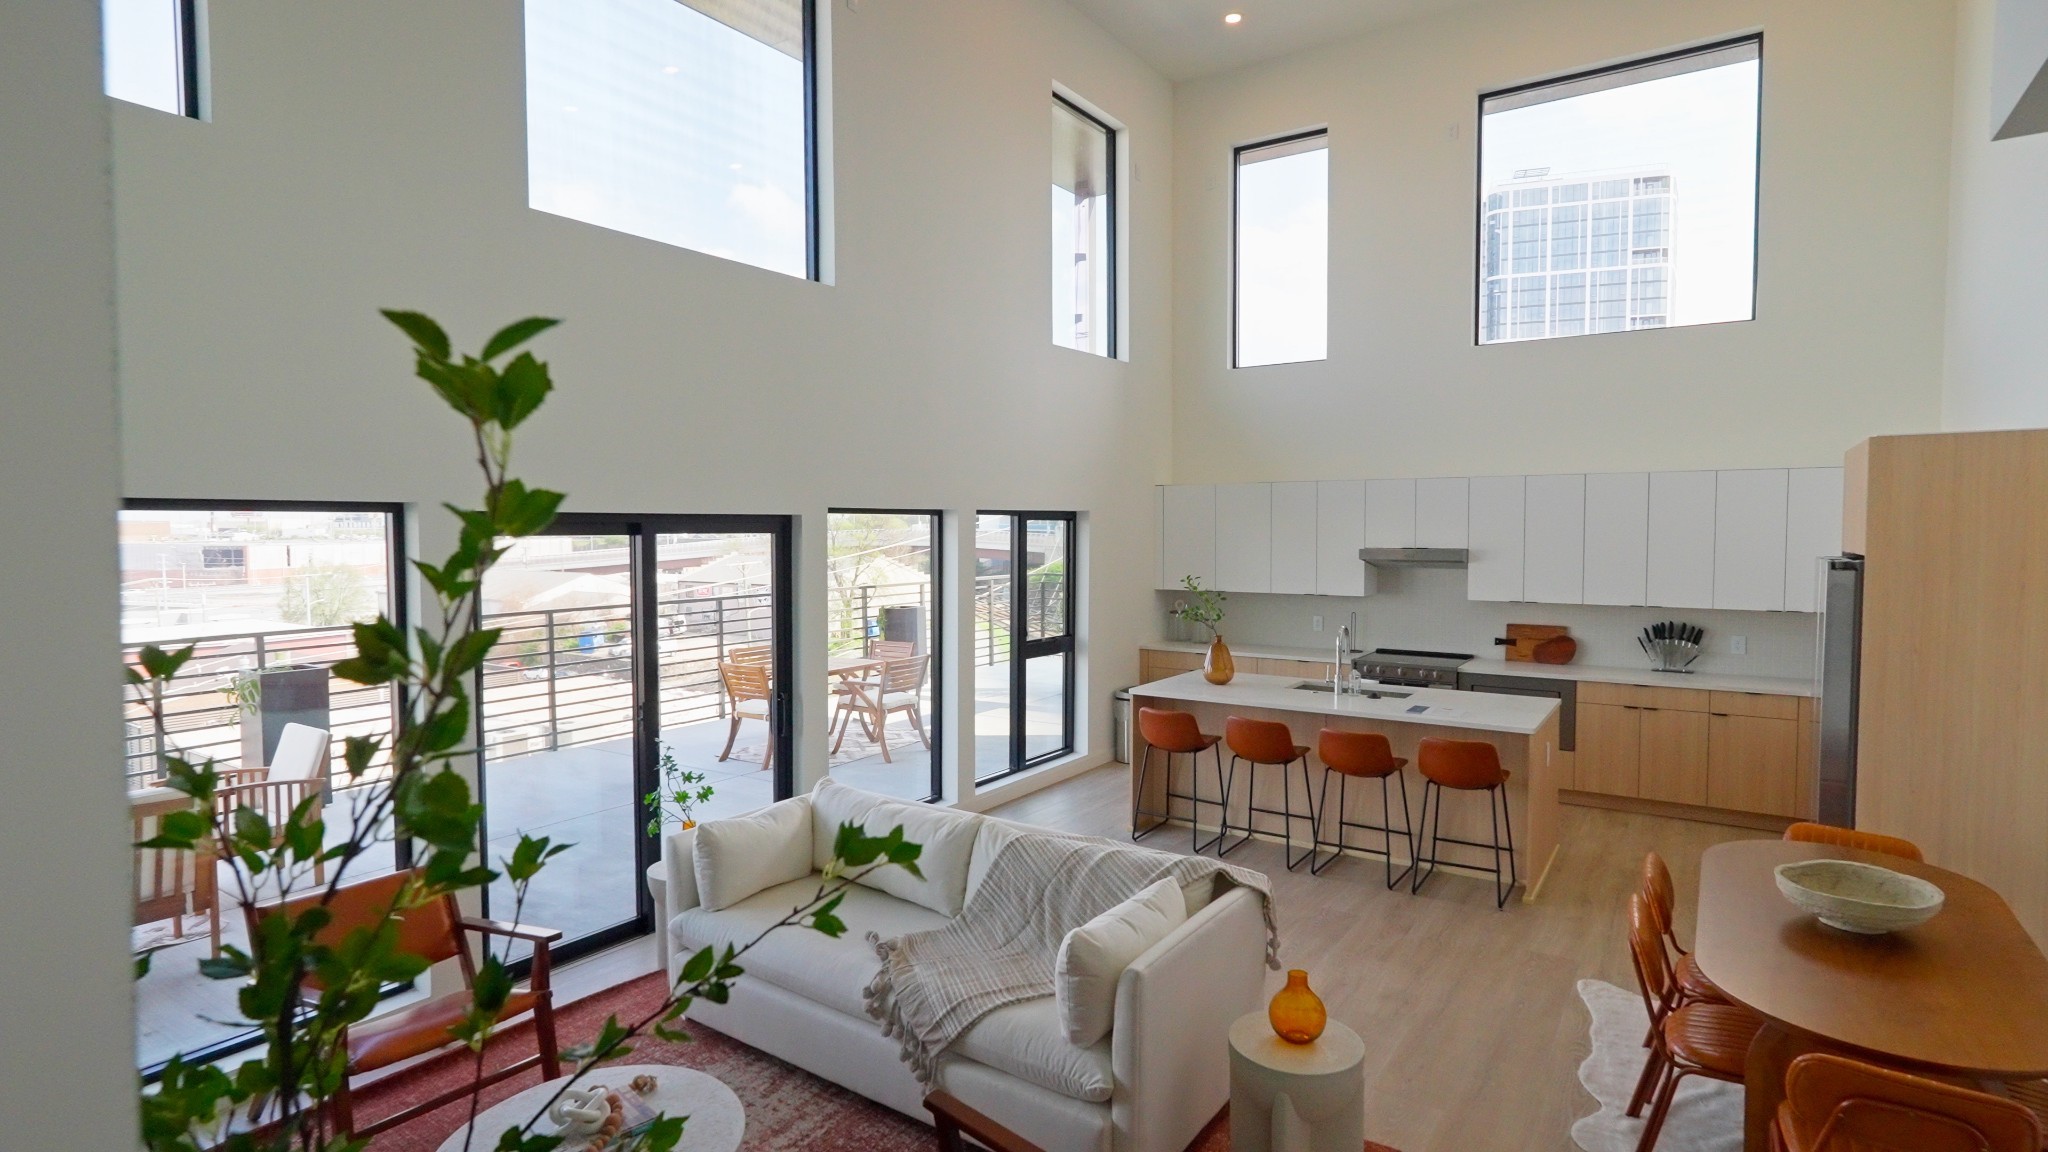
point(675, 802)
point(1207, 610)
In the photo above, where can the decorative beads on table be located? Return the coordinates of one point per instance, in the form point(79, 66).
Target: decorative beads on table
point(612, 1124)
point(643, 1085)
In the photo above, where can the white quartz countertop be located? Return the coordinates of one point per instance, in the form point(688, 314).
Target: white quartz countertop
point(1709, 681)
point(1442, 707)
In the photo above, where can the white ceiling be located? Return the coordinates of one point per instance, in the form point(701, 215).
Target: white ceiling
point(1186, 39)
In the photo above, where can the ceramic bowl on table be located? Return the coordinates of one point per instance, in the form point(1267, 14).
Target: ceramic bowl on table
point(1858, 897)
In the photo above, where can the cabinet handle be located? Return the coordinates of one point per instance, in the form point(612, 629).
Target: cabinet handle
point(1631, 708)
point(1649, 709)
point(1722, 715)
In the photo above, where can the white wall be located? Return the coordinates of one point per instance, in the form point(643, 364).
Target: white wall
point(372, 154)
point(1997, 369)
point(1848, 336)
point(67, 1011)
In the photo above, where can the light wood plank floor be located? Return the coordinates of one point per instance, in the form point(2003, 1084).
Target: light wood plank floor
point(1471, 1017)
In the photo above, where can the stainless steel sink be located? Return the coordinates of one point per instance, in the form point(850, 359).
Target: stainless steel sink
point(1370, 694)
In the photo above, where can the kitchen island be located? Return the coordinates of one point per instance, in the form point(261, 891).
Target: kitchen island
point(1524, 729)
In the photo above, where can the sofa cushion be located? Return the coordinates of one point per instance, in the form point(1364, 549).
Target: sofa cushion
point(1094, 955)
point(739, 856)
point(833, 973)
point(946, 834)
point(1027, 1041)
point(996, 832)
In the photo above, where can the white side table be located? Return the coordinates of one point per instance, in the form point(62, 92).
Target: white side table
point(1295, 1097)
point(717, 1122)
point(657, 887)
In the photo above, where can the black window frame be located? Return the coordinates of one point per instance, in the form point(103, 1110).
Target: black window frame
point(935, 724)
point(1115, 197)
point(1479, 178)
point(1023, 649)
point(1236, 171)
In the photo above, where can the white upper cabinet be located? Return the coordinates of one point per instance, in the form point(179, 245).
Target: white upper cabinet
point(1294, 538)
point(1554, 535)
point(1244, 537)
point(1442, 512)
point(1617, 538)
point(1187, 534)
point(1340, 533)
point(1390, 514)
point(1813, 529)
point(1496, 540)
point(1681, 540)
point(1749, 539)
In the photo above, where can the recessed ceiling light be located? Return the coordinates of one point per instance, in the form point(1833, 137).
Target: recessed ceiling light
point(1234, 18)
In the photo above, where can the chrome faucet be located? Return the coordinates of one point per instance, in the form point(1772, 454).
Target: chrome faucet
point(1340, 673)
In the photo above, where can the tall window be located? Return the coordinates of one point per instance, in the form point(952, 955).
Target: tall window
point(1023, 640)
point(1621, 199)
point(684, 121)
point(1083, 231)
point(152, 53)
point(1281, 249)
point(883, 644)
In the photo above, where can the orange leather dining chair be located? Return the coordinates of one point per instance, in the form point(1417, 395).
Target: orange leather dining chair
point(433, 930)
point(1852, 838)
point(1267, 743)
point(1657, 888)
point(1367, 756)
point(1466, 766)
point(1691, 1039)
point(1176, 733)
point(1834, 1104)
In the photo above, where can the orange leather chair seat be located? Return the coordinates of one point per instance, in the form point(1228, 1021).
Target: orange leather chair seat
point(1712, 1036)
point(1173, 731)
point(417, 1029)
point(1694, 984)
point(1471, 765)
point(1262, 741)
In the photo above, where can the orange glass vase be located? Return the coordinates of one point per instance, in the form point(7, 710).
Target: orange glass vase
point(1217, 667)
point(1297, 1013)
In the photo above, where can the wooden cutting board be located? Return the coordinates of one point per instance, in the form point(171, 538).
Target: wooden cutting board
point(1540, 643)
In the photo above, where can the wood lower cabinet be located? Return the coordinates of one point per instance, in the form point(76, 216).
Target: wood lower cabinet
point(1753, 764)
point(1158, 664)
point(1610, 738)
point(1675, 760)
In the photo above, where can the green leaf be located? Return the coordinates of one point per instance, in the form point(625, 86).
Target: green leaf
point(380, 654)
point(663, 1134)
point(514, 334)
point(512, 1140)
point(469, 651)
point(162, 665)
point(492, 988)
point(357, 752)
point(425, 334)
point(520, 511)
point(520, 390)
point(178, 830)
point(231, 964)
point(698, 967)
point(446, 728)
point(529, 855)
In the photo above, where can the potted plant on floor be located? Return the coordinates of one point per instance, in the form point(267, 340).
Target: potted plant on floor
point(1207, 611)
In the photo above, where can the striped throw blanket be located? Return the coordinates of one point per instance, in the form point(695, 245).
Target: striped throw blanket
point(935, 985)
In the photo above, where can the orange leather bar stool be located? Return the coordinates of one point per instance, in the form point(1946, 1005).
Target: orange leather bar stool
point(1834, 1104)
point(1176, 733)
point(1267, 742)
point(1365, 755)
point(1466, 766)
point(1851, 838)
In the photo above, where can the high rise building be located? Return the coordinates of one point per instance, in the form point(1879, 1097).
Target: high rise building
point(1564, 256)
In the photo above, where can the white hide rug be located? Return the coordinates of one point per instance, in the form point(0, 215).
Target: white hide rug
point(1706, 1116)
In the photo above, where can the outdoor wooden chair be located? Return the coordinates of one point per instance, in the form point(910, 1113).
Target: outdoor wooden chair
point(435, 931)
point(747, 692)
point(843, 697)
point(297, 770)
point(897, 687)
point(171, 884)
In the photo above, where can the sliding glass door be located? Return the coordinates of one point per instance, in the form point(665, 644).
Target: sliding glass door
point(629, 643)
point(1024, 640)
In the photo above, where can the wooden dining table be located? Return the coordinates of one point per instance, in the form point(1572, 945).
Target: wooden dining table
point(1963, 995)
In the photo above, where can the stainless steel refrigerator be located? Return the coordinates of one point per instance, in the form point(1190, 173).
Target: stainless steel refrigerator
point(1841, 661)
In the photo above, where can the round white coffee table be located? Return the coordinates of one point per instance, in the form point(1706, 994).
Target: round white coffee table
point(717, 1122)
point(1295, 1097)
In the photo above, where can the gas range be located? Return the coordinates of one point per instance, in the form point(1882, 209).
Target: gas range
point(1411, 667)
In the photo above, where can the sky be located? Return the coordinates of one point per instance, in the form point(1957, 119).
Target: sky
point(1283, 259)
point(142, 51)
point(1701, 126)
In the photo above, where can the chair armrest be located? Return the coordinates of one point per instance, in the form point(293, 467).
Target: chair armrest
point(951, 1118)
point(679, 860)
point(528, 933)
point(1169, 1048)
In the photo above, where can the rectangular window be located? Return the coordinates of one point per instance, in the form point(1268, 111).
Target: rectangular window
point(883, 644)
point(1083, 231)
point(1649, 168)
point(151, 54)
point(688, 122)
point(1023, 640)
point(1281, 252)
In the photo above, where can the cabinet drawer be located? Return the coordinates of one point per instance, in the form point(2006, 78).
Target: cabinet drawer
point(1643, 696)
point(1755, 704)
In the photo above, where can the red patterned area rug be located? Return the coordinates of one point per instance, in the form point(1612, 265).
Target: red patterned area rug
point(788, 1109)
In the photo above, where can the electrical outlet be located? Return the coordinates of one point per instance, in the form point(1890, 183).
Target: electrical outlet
point(1316, 622)
point(1739, 645)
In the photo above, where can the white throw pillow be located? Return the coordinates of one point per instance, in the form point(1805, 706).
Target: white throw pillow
point(1093, 957)
point(739, 856)
point(946, 836)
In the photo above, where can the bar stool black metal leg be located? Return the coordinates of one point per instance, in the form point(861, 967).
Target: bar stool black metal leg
point(1138, 800)
point(1508, 821)
point(1387, 826)
point(1287, 802)
point(1195, 789)
point(1421, 876)
point(1315, 868)
point(1500, 895)
point(1224, 847)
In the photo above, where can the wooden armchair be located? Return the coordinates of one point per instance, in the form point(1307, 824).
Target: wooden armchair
point(170, 884)
point(747, 691)
point(297, 770)
point(955, 1120)
point(898, 687)
point(435, 931)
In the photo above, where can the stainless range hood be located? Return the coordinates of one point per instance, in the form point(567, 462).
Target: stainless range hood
point(1414, 557)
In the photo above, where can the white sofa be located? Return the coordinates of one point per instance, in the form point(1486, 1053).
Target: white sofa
point(1150, 1086)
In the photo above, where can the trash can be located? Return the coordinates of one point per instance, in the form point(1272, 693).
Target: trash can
point(904, 622)
point(1120, 737)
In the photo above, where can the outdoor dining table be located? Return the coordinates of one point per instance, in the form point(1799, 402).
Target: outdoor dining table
point(1963, 995)
point(846, 667)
